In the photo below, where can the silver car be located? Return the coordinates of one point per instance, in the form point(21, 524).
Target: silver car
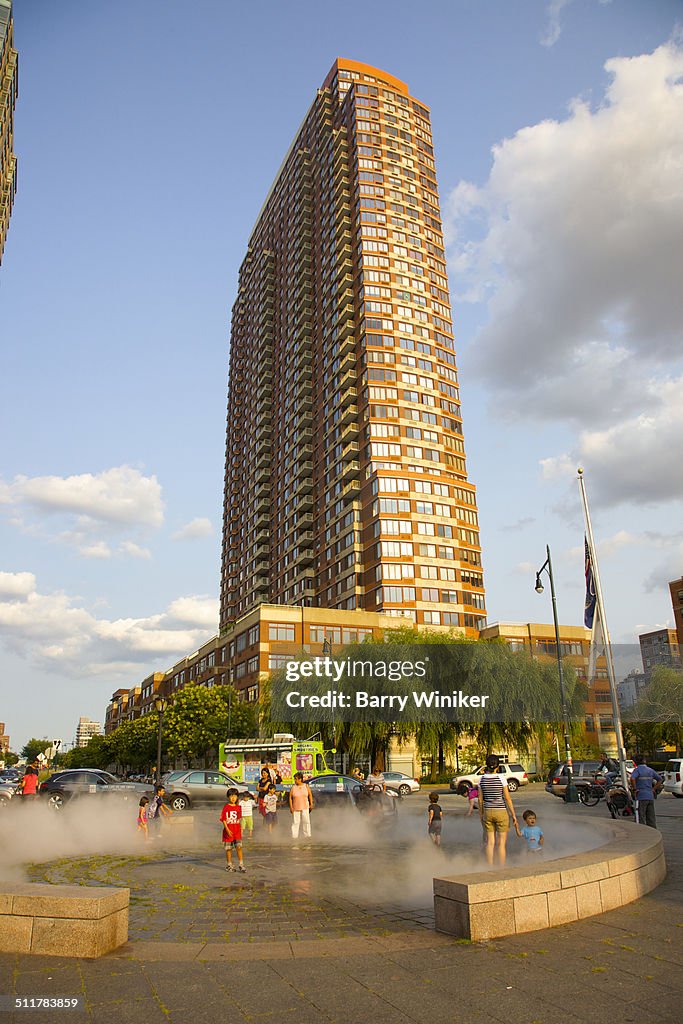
point(201, 787)
point(401, 783)
point(7, 791)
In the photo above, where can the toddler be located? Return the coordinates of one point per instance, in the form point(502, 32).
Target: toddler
point(434, 816)
point(472, 800)
point(246, 802)
point(270, 804)
point(142, 816)
point(532, 833)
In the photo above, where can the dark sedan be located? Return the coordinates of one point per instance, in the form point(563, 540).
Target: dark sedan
point(75, 783)
point(334, 790)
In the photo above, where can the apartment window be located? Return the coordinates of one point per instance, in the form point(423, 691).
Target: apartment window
point(432, 618)
point(277, 661)
point(432, 594)
point(279, 631)
point(253, 636)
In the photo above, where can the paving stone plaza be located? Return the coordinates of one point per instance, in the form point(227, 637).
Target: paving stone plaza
point(342, 930)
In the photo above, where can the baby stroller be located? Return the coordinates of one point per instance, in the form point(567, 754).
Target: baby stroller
point(619, 803)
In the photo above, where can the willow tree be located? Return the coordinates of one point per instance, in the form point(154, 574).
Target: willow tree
point(523, 695)
point(657, 716)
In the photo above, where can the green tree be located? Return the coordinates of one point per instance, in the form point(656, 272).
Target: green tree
point(134, 744)
point(524, 690)
point(657, 717)
point(200, 718)
point(97, 753)
point(34, 747)
point(9, 758)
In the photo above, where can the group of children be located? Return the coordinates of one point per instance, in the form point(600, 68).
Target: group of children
point(151, 812)
point(237, 814)
point(531, 832)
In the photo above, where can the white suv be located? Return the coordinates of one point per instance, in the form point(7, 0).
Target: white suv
point(514, 773)
point(673, 777)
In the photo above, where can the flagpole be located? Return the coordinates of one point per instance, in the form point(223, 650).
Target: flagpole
point(600, 611)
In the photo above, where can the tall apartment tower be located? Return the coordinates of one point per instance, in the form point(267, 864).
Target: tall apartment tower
point(8, 96)
point(346, 485)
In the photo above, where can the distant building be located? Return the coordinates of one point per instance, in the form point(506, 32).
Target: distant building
point(630, 688)
point(575, 644)
point(86, 729)
point(4, 739)
point(660, 647)
point(676, 591)
point(8, 98)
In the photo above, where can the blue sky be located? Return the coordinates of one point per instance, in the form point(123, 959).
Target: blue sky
point(147, 137)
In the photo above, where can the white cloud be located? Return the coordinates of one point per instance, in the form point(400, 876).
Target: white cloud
point(579, 260)
point(553, 28)
point(584, 238)
point(54, 632)
point(121, 496)
point(195, 528)
point(16, 584)
point(128, 547)
point(97, 550)
point(639, 459)
point(525, 568)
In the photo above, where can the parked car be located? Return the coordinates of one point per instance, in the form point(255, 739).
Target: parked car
point(201, 787)
point(584, 773)
point(345, 791)
point(673, 777)
point(77, 783)
point(514, 773)
point(170, 777)
point(334, 790)
point(10, 775)
point(401, 783)
point(7, 791)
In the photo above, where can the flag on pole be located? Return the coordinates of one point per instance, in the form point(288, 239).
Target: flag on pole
point(589, 606)
point(592, 618)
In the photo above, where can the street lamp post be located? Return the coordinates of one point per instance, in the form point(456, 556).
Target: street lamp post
point(327, 653)
point(571, 795)
point(160, 705)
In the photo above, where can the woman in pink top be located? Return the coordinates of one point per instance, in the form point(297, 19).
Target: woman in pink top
point(300, 804)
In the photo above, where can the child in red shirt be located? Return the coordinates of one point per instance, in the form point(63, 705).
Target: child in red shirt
point(231, 817)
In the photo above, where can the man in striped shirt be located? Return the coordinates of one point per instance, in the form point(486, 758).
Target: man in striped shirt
point(495, 810)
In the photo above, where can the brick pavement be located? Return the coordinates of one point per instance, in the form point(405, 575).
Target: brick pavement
point(349, 960)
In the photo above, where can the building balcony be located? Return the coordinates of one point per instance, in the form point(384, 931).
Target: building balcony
point(304, 486)
point(348, 395)
point(349, 415)
point(351, 488)
point(351, 469)
point(349, 434)
point(304, 500)
point(304, 469)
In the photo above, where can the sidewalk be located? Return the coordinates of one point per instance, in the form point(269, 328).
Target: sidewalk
point(337, 959)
